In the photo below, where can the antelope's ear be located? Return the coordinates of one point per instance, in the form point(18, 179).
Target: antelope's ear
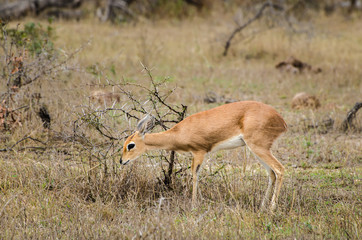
point(146, 124)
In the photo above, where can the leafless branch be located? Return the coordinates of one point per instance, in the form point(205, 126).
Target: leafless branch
point(257, 16)
point(48, 69)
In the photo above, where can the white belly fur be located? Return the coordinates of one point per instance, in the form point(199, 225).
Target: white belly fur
point(233, 142)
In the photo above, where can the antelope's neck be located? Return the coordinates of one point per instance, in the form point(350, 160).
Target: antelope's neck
point(162, 140)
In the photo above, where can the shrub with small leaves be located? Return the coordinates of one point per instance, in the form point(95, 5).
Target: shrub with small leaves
point(33, 37)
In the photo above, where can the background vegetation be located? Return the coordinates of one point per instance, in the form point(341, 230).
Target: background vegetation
point(60, 139)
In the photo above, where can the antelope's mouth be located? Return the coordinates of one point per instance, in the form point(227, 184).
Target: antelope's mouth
point(125, 163)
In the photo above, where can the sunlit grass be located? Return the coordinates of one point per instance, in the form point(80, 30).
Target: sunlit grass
point(57, 194)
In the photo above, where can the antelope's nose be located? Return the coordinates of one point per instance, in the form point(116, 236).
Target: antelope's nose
point(123, 163)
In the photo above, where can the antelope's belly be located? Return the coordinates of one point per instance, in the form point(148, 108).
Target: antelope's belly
point(233, 142)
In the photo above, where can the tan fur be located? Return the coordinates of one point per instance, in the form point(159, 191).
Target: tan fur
point(258, 123)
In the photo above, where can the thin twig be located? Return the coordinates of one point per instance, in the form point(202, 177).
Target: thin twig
point(156, 93)
point(50, 69)
point(19, 141)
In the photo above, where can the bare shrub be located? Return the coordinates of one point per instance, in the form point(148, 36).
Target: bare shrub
point(30, 61)
point(139, 100)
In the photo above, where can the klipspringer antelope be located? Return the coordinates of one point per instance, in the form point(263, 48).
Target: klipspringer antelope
point(229, 126)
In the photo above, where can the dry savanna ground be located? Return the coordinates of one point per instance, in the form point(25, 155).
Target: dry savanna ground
point(72, 186)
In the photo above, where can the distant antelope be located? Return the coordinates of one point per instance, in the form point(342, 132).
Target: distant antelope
point(229, 126)
point(104, 97)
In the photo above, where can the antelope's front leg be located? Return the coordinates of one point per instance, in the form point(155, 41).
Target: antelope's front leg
point(197, 160)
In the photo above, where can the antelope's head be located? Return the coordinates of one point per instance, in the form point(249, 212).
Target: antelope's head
point(134, 145)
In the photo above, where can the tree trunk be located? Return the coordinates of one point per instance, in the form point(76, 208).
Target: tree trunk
point(352, 6)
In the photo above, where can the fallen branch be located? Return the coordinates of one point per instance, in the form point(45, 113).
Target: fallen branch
point(347, 123)
point(23, 139)
point(257, 16)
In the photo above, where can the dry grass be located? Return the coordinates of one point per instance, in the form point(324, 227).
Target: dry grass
point(64, 192)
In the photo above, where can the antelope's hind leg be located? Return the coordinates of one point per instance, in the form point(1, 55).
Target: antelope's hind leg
point(271, 185)
point(276, 173)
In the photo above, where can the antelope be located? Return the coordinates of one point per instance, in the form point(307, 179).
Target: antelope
point(104, 97)
point(228, 126)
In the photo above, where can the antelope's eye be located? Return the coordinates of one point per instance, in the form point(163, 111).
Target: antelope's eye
point(130, 146)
